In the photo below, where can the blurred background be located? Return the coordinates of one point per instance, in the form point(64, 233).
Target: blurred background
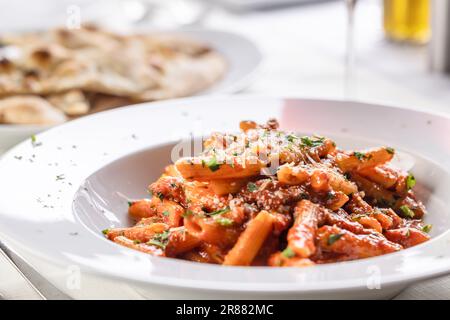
point(391, 51)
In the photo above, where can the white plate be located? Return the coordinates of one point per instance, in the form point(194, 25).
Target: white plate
point(242, 55)
point(119, 152)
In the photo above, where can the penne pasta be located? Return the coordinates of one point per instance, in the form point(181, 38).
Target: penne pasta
point(266, 197)
point(358, 160)
point(210, 230)
point(210, 169)
point(250, 241)
point(384, 176)
point(335, 239)
point(124, 241)
point(301, 237)
point(181, 241)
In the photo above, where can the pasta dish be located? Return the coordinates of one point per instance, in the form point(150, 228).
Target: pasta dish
point(266, 197)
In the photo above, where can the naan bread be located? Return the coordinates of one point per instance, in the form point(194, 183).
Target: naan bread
point(70, 67)
point(29, 110)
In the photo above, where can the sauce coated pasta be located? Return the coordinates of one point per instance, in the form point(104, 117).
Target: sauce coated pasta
point(270, 197)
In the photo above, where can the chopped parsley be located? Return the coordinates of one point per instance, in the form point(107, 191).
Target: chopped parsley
point(291, 138)
point(288, 253)
point(130, 203)
point(224, 222)
point(390, 150)
point(160, 239)
point(410, 181)
point(160, 195)
point(360, 155)
point(313, 141)
point(105, 231)
point(221, 211)
point(331, 195)
point(166, 213)
point(34, 141)
point(333, 238)
point(407, 233)
point(252, 187)
point(212, 164)
point(407, 212)
point(427, 228)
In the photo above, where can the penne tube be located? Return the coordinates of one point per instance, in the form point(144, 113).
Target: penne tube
point(358, 160)
point(381, 196)
point(138, 246)
point(171, 213)
point(407, 237)
point(143, 208)
point(207, 169)
point(384, 176)
point(293, 175)
point(141, 233)
point(301, 236)
point(337, 201)
point(180, 241)
point(210, 230)
point(341, 241)
point(250, 241)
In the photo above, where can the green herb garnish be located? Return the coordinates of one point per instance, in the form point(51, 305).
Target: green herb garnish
point(288, 253)
point(408, 232)
point(224, 222)
point(360, 155)
point(252, 187)
point(166, 213)
point(331, 195)
point(291, 138)
point(130, 204)
point(410, 181)
point(333, 238)
point(105, 231)
point(221, 211)
point(34, 141)
point(312, 141)
point(160, 195)
point(160, 239)
point(427, 228)
point(212, 164)
point(407, 212)
point(390, 150)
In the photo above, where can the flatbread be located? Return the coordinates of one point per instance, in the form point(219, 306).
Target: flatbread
point(68, 67)
point(29, 110)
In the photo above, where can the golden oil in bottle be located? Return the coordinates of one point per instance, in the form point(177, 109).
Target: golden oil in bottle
point(407, 20)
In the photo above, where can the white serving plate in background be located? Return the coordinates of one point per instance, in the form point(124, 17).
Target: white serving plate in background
point(242, 55)
point(117, 153)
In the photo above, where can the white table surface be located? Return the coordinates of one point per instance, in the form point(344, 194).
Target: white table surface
point(304, 53)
